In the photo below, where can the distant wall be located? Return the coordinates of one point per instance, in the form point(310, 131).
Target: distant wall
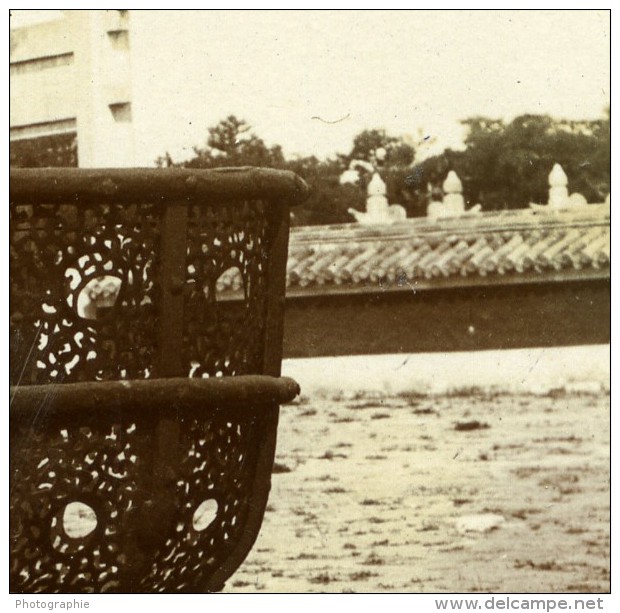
point(451, 319)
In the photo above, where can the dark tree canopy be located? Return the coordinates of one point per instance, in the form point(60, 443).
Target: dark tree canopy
point(231, 143)
point(506, 166)
point(503, 166)
point(365, 144)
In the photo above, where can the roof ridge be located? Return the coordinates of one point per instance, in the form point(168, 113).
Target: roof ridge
point(404, 230)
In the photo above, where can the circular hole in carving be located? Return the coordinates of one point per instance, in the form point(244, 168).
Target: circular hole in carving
point(78, 520)
point(98, 297)
point(205, 514)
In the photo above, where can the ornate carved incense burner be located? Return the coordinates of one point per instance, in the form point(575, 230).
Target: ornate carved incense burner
point(143, 424)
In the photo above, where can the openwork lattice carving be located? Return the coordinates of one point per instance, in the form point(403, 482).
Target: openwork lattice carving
point(138, 462)
point(56, 251)
point(218, 463)
point(147, 536)
point(224, 338)
point(53, 469)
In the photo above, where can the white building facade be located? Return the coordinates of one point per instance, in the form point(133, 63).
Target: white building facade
point(71, 81)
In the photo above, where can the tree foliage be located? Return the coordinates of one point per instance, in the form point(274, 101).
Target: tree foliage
point(366, 143)
point(504, 165)
point(232, 143)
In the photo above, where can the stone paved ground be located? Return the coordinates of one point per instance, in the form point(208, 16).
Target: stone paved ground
point(472, 491)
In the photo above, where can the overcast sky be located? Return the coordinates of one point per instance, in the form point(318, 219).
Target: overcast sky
point(417, 73)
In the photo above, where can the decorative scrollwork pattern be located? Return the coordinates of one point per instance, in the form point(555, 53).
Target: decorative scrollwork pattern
point(56, 251)
point(117, 275)
point(147, 536)
point(225, 338)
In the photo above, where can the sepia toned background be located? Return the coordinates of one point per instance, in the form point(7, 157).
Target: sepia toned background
point(452, 434)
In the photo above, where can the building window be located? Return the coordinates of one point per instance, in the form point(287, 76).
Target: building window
point(121, 111)
point(41, 63)
point(119, 40)
point(54, 150)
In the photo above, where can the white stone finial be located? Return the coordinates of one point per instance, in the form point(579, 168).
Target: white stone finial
point(453, 201)
point(376, 187)
point(557, 177)
point(378, 209)
point(558, 187)
point(376, 200)
point(452, 184)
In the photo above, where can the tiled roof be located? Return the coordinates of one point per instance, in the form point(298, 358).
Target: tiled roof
point(505, 247)
point(501, 247)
